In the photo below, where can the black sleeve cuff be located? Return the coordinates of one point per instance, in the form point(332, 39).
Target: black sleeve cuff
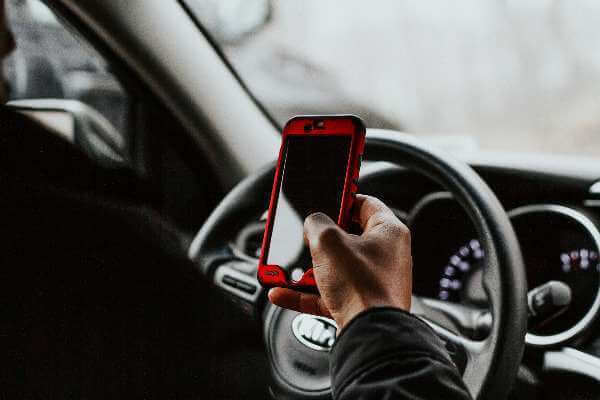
point(376, 335)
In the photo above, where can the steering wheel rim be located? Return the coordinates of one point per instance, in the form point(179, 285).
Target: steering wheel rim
point(492, 362)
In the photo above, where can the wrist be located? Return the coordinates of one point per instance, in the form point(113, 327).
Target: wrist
point(356, 307)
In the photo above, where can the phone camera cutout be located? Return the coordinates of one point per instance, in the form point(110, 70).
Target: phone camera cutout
point(319, 124)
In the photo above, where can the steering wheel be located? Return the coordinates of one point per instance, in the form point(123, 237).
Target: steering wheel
point(299, 357)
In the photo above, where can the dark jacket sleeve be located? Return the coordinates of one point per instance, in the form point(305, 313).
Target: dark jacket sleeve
point(386, 353)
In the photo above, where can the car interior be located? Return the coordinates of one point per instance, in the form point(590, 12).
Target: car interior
point(135, 187)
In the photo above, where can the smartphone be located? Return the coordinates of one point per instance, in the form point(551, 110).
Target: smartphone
point(317, 171)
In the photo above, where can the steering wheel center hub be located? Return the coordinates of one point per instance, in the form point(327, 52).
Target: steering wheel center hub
point(298, 347)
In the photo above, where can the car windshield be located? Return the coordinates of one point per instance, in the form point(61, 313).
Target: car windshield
point(495, 75)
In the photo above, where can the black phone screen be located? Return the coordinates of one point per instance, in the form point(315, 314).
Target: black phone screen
point(313, 171)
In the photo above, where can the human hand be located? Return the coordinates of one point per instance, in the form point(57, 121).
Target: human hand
point(354, 272)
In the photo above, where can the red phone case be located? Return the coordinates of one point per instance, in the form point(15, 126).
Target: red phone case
point(273, 275)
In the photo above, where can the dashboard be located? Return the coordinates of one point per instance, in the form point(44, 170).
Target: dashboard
point(554, 207)
point(556, 217)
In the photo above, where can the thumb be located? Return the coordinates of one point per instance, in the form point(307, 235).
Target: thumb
point(322, 235)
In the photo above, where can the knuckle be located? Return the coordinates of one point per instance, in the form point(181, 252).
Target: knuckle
point(398, 229)
point(403, 230)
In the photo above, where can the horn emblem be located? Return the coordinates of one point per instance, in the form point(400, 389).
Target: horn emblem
point(317, 333)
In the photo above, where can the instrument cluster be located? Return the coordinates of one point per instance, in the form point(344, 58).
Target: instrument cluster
point(558, 243)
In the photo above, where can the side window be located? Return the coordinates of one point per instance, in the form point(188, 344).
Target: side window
point(51, 61)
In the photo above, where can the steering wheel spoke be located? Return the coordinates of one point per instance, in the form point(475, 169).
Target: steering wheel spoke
point(465, 352)
point(453, 323)
point(235, 275)
point(472, 322)
point(230, 277)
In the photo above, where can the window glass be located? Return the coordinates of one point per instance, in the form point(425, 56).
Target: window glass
point(499, 75)
point(51, 61)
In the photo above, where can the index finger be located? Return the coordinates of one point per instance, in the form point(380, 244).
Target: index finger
point(298, 301)
point(369, 212)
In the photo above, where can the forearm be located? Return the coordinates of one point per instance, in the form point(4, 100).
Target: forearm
point(388, 353)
